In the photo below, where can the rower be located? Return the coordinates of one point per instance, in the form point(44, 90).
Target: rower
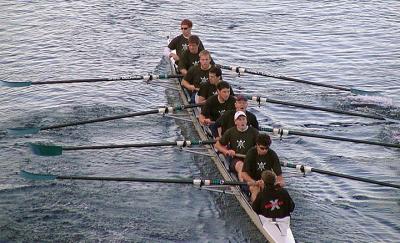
point(216, 105)
point(273, 201)
point(237, 140)
point(208, 89)
point(197, 74)
point(190, 57)
point(226, 121)
point(258, 159)
point(180, 43)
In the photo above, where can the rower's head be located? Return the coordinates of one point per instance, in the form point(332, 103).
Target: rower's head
point(240, 120)
point(194, 43)
point(223, 91)
point(214, 75)
point(269, 178)
point(241, 103)
point(205, 59)
point(186, 27)
point(263, 142)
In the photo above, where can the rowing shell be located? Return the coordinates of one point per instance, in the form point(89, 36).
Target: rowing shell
point(273, 230)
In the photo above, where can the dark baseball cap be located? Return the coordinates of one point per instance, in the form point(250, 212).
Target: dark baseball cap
point(241, 97)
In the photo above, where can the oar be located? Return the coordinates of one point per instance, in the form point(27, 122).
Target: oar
point(55, 150)
point(93, 80)
point(281, 132)
point(307, 169)
point(33, 130)
point(268, 100)
point(245, 70)
point(196, 182)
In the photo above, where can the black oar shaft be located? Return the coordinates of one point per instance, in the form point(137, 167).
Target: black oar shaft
point(140, 113)
point(100, 119)
point(98, 178)
point(140, 145)
point(196, 182)
point(306, 169)
point(245, 70)
point(268, 100)
point(297, 80)
point(150, 77)
point(288, 132)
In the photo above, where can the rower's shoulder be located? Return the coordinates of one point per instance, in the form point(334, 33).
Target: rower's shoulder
point(249, 113)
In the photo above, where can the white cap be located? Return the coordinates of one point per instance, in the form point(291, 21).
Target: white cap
point(239, 113)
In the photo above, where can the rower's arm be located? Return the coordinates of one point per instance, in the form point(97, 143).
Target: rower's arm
point(187, 85)
point(280, 180)
point(247, 178)
point(219, 131)
point(183, 71)
point(221, 148)
point(201, 100)
point(167, 51)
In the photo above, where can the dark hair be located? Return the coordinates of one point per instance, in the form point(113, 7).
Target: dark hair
point(216, 70)
point(263, 139)
point(187, 22)
point(223, 85)
point(194, 39)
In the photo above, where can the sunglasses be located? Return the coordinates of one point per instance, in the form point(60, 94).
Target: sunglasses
point(263, 147)
point(184, 28)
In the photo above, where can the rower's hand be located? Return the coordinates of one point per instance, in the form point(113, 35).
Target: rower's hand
point(280, 183)
point(207, 121)
point(260, 184)
point(230, 153)
point(174, 56)
point(193, 88)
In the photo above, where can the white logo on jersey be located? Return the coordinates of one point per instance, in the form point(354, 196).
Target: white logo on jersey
point(184, 47)
point(204, 79)
point(240, 143)
point(274, 204)
point(261, 166)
